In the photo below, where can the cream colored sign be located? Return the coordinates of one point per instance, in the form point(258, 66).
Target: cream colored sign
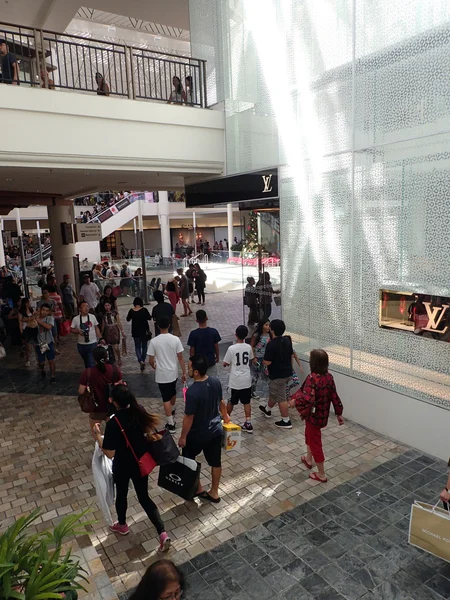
point(435, 315)
point(267, 179)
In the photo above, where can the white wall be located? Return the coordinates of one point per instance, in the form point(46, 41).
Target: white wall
point(152, 238)
point(89, 250)
point(52, 128)
point(418, 424)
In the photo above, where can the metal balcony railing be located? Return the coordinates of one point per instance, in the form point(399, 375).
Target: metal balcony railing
point(68, 62)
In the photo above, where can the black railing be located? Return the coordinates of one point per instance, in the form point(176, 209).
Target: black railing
point(69, 62)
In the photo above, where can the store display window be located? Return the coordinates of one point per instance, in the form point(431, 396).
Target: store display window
point(420, 314)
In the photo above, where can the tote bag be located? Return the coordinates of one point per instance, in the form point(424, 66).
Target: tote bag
point(181, 478)
point(429, 529)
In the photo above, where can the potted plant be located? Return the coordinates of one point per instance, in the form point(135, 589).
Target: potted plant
point(32, 566)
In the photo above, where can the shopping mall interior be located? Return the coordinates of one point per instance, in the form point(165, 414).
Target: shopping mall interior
point(270, 160)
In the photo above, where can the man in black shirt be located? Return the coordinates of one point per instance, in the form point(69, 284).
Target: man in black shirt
point(10, 66)
point(162, 309)
point(278, 359)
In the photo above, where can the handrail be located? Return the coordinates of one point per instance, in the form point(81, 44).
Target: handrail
point(64, 61)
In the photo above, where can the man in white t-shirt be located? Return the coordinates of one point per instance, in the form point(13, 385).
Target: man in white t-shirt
point(165, 352)
point(89, 292)
point(86, 327)
point(238, 357)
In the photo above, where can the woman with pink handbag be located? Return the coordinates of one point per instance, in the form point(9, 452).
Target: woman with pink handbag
point(126, 442)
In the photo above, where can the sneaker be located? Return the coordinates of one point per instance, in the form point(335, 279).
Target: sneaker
point(265, 411)
point(164, 542)
point(121, 529)
point(27, 364)
point(255, 396)
point(248, 427)
point(170, 428)
point(173, 413)
point(283, 424)
point(142, 366)
point(53, 380)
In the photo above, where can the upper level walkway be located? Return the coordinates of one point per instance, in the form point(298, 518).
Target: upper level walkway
point(67, 132)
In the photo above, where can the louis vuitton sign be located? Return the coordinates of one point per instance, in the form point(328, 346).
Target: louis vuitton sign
point(421, 314)
point(247, 187)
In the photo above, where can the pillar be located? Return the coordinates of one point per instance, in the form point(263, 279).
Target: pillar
point(63, 254)
point(22, 254)
point(164, 224)
point(2, 246)
point(230, 227)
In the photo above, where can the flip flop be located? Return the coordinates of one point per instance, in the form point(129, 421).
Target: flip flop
point(315, 477)
point(206, 496)
point(307, 465)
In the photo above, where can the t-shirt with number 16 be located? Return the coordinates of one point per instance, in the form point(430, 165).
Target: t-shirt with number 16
point(239, 357)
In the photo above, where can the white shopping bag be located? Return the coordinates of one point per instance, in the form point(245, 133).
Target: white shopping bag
point(103, 481)
point(188, 462)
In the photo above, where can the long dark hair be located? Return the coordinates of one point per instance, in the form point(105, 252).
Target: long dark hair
point(155, 580)
point(178, 86)
point(122, 395)
point(100, 355)
point(23, 307)
point(259, 330)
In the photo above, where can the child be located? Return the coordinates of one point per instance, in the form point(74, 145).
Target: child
point(239, 356)
point(313, 402)
point(45, 346)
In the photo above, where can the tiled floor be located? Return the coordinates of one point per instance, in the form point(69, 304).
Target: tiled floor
point(274, 530)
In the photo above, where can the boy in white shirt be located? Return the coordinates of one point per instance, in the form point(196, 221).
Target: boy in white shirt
point(239, 357)
point(165, 353)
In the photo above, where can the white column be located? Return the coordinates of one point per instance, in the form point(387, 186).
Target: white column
point(230, 227)
point(63, 254)
point(2, 247)
point(164, 224)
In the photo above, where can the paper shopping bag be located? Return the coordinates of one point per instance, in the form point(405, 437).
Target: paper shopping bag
point(180, 478)
point(231, 437)
point(429, 529)
point(103, 482)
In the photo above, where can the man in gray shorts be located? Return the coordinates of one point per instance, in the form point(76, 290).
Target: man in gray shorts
point(278, 359)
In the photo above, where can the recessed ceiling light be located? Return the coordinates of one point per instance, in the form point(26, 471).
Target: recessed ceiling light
point(39, 190)
point(9, 179)
point(87, 173)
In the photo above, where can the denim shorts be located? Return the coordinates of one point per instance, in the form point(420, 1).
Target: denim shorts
point(49, 354)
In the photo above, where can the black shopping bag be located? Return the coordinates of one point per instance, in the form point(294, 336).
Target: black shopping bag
point(164, 450)
point(179, 478)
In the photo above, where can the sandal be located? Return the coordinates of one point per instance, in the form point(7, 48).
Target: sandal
point(315, 477)
point(207, 496)
point(306, 463)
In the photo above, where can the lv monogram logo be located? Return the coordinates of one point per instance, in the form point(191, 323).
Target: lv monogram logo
point(435, 315)
point(267, 180)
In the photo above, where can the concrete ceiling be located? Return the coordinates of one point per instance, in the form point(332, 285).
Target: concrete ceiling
point(55, 15)
point(24, 186)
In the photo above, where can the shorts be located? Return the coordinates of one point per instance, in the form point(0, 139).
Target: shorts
point(244, 396)
point(212, 370)
point(277, 389)
point(212, 450)
point(49, 354)
point(168, 390)
point(313, 439)
point(30, 335)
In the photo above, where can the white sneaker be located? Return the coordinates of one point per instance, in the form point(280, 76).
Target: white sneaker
point(27, 364)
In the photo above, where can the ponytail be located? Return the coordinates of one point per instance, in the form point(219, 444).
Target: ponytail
point(100, 355)
point(122, 395)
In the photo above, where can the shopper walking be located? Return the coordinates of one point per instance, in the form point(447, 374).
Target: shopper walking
point(200, 283)
point(264, 292)
point(238, 358)
point(45, 347)
point(140, 329)
point(85, 326)
point(313, 402)
point(259, 341)
point(165, 353)
point(205, 341)
point(111, 330)
point(202, 424)
point(131, 423)
point(251, 300)
point(184, 293)
point(99, 378)
point(162, 309)
point(172, 292)
point(28, 328)
point(89, 293)
point(162, 581)
point(278, 358)
point(68, 297)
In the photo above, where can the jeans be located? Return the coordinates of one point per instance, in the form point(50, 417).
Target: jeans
point(85, 351)
point(122, 481)
point(201, 293)
point(140, 346)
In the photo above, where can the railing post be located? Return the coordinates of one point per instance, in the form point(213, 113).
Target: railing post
point(36, 47)
point(205, 93)
point(130, 72)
